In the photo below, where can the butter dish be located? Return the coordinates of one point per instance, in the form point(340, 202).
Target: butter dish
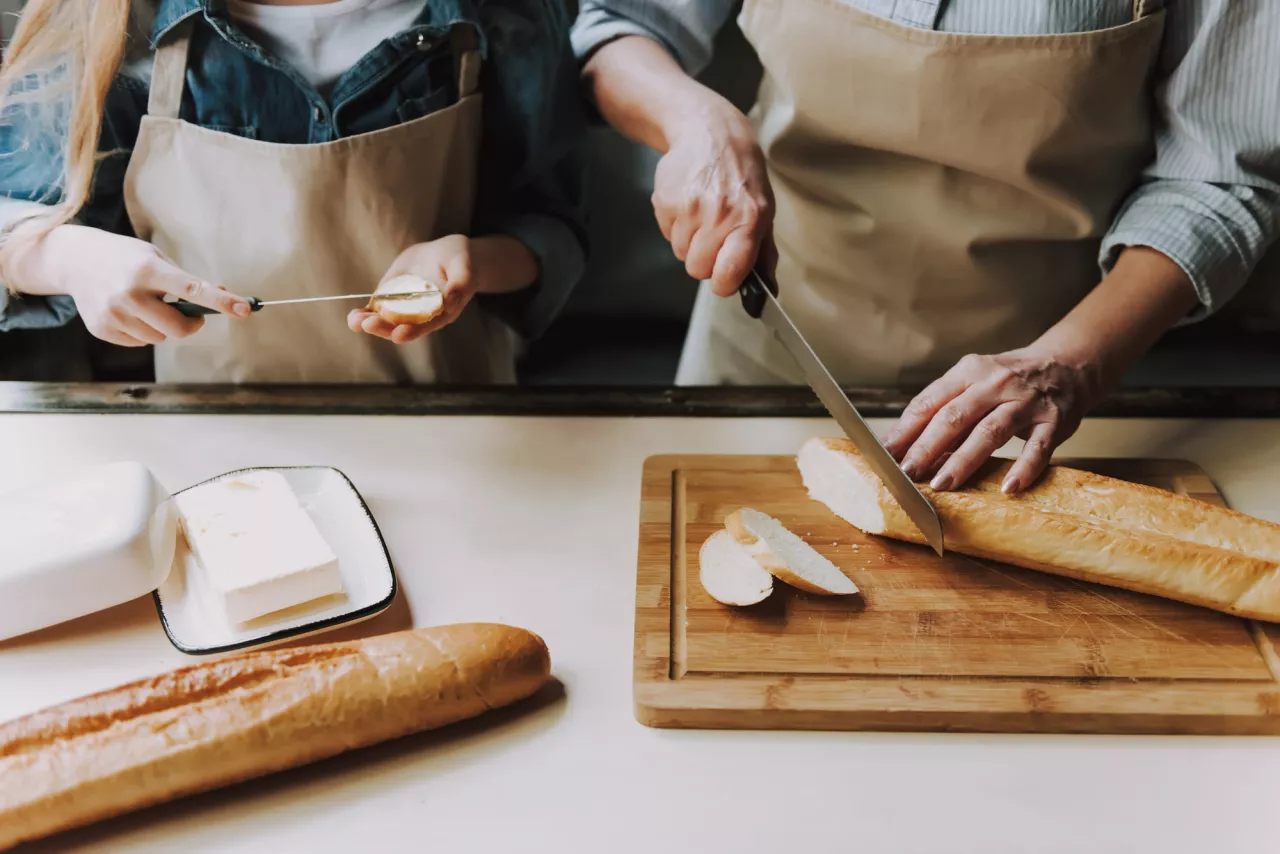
point(81, 542)
point(194, 613)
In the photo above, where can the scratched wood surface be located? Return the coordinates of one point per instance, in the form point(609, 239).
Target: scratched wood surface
point(931, 643)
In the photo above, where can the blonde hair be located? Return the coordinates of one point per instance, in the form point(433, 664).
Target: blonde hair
point(56, 74)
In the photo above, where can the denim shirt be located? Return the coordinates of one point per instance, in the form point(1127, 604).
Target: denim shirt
point(531, 173)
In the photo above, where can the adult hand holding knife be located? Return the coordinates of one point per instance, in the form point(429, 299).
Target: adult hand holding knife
point(760, 301)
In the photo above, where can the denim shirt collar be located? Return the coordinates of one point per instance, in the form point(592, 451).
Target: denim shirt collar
point(436, 18)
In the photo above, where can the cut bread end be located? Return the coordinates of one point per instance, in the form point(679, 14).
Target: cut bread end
point(785, 556)
point(729, 574)
point(850, 491)
point(412, 311)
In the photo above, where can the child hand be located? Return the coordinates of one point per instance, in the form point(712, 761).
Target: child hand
point(119, 284)
point(445, 263)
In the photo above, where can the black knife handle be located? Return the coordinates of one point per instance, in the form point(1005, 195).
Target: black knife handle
point(191, 309)
point(752, 292)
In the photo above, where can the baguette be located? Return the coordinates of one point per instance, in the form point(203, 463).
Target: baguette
point(1077, 524)
point(785, 556)
point(412, 310)
point(729, 573)
point(201, 727)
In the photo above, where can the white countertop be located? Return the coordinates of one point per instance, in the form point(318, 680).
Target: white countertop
point(532, 522)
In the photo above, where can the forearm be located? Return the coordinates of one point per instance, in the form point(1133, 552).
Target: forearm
point(501, 264)
point(1143, 296)
point(646, 96)
point(36, 267)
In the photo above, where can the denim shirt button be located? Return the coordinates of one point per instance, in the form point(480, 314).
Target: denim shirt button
point(318, 114)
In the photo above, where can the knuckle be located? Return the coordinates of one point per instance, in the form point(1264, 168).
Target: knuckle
point(995, 432)
point(953, 416)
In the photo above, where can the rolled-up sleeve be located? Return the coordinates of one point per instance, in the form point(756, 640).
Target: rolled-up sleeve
point(686, 29)
point(1210, 200)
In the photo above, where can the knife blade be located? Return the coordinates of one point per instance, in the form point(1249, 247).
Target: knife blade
point(190, 309)
point(759, 301)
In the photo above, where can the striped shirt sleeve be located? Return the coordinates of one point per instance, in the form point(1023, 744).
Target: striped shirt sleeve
point(1210, 201)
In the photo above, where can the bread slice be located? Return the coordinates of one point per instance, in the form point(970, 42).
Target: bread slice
point(413, 310)
point(227, 720)
point(785, 555)
point(1076, 524)
point(729, 574)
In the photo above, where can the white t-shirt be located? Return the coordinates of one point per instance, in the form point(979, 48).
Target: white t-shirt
point(321, 41)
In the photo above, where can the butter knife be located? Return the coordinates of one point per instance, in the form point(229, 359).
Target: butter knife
point(759, 301)
point(191, 309)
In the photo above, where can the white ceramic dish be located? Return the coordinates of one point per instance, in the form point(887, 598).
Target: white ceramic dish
point(193, 618)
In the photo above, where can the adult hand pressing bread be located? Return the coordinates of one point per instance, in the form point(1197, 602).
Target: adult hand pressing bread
point(1040, 392)
point(217, 723)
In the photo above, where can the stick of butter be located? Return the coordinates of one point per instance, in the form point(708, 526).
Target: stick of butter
point(259, 549)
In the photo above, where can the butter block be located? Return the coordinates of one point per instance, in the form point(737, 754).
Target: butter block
point(259, 549)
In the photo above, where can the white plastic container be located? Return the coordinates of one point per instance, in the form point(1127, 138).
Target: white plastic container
point(82, 543)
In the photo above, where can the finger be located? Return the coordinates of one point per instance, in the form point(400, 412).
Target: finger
point(357, 317)
point(404, 333)
point(1031, 463)
point(374, 325)
point(734, 261)
point(136, 328)
point(950, 422)
point(704, 247)
point(990, 435)
point(920, 411)
point(167, 279)
point(120, 339)
point(166, 319)
point(682, 234)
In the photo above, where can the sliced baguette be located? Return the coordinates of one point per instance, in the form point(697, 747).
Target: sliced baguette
point(1077, 524)
point(785, 556)
point(220, 722)
point(412, 311)
point(729, 574)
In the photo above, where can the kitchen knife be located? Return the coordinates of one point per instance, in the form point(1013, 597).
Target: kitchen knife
point(190, 309)
point(759, 301)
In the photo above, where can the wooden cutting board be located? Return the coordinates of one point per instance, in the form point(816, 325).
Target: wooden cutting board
point(931, 643)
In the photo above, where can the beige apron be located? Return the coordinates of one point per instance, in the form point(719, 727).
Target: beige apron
point(937, 194)
point(288, 221)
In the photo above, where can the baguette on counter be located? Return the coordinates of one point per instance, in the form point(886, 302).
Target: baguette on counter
point(201, 727)
point(1076, 524)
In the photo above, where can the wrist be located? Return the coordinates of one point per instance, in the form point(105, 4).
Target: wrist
point(36, 266)
point(704, 115)
point(501, 264)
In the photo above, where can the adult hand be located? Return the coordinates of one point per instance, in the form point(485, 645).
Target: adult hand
point(982, 403)
point(119, 285)
point(445, 263)
point(713, 202)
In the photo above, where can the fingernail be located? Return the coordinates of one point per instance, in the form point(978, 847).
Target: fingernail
point(1010, 485)
point(942, 482)
point(911, 467)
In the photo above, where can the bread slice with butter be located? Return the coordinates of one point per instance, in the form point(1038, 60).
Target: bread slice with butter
point(424, 303)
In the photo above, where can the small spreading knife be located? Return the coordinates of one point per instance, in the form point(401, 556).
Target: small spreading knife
point(759, 301)
point(190, 309)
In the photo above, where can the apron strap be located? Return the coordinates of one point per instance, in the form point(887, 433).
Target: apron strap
point(1146, 8)
point(169, 72)
point(465, 46)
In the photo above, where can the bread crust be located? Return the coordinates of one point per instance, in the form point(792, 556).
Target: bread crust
point(220, 722)
point(1092, 528)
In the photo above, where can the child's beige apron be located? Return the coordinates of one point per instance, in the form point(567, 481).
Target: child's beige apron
point(287, 221)
point(937, 194)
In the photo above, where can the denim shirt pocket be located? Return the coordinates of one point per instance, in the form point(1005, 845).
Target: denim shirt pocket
point(432, 102)
point(246, 131)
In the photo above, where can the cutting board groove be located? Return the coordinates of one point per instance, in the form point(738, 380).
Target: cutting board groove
point(930, 643)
